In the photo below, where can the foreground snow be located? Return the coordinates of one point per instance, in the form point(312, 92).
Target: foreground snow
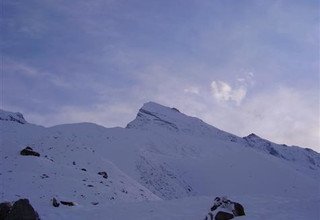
point(257, 208)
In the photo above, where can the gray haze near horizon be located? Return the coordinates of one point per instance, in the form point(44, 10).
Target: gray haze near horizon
point(242, 66)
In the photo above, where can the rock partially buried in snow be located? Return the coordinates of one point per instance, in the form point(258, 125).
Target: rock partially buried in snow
point(22, 210)
point(55, 202)
point(103, 174)
point(225, 209)
point(28, 151)
point(67, 203)
point(223, 216)
point(5, 208)
point(238, 209)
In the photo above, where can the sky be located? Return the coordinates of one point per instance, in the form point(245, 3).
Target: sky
point(249, 66)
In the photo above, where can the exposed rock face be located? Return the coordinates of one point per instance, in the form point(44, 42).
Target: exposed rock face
point(28, 151)
point(22, 210)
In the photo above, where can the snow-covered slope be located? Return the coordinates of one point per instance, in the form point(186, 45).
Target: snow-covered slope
point(161, 119)
point(303, 159)
point(161, 155)
point(10, 116)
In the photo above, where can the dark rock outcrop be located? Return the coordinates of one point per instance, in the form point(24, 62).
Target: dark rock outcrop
point(223, 216)
point(28, 151)
point(225, 209)
point(5, 208)
point(103, 174)
point(175, 109)
point(67, 203)
point(55, 202)
point(238, 209)
point(22, 210)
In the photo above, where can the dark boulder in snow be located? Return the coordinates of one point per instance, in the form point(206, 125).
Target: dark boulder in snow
point(224, 209)
point(103, 174)
point(67, 203)
point(238, 209)
point(223, 216)
point(22, 210)
point(55, 202)
point(5, 208)
point(28, 151)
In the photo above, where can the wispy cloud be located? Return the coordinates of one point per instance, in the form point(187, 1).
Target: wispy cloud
point(192, 90)
point(222, 91)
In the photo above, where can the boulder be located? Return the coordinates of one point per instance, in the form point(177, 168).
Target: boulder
point(55, 202)
point(238, 209)
point(67, 203)
point(224, 209)
point(28, 151)
point(5, 208)
point(103, 174)
point(22, 210)
point(223, 216)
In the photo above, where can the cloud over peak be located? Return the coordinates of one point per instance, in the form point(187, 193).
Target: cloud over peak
point(222, 91)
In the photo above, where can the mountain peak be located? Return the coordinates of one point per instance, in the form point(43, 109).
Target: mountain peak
point(155, 107)
point(253, 136)
point(152, 113)
point(12, 116)
point(155, 117)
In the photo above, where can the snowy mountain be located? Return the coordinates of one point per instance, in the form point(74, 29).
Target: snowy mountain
point(10, 116)
point(163, 165)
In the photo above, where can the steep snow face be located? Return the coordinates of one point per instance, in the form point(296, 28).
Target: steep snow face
point(306, 159)
point(158, 118)
point(10, 116)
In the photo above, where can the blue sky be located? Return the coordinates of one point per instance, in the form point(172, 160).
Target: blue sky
point(242, 66)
